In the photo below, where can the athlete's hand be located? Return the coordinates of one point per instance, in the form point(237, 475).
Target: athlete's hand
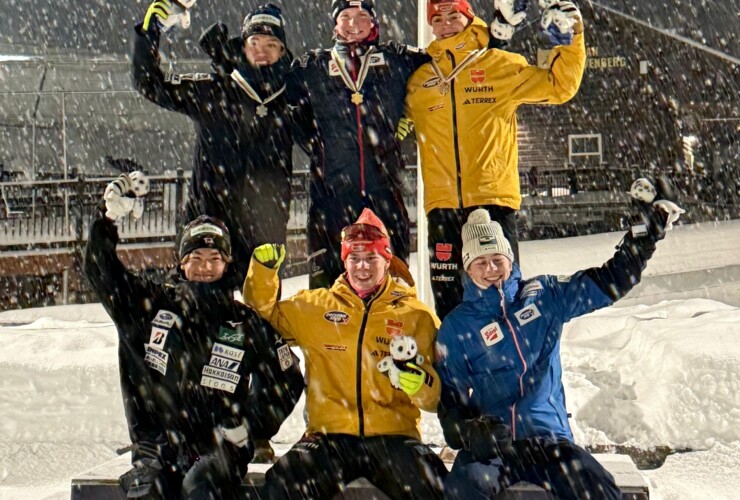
point(412, 379)
point(270, 255)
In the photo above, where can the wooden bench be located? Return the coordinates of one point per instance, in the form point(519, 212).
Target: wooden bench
point(101, 482)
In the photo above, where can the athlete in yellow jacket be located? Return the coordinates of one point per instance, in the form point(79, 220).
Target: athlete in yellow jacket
point(359, 424)
point(463, 105)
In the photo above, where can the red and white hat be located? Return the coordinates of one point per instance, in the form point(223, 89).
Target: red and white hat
point(367, 234)
point(435, 7)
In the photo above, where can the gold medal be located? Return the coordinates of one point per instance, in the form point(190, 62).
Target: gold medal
point(261, 110)
point(356, 98)
point(444, 88)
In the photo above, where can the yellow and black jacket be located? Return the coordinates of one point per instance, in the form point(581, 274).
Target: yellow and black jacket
point(467, 136)
point(343, 339)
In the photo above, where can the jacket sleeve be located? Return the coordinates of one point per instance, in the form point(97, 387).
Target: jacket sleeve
point(260, 292)
point(454, 405)
point(304, 128)
point(428, 396)
point(599, 287)
point(149, 80)
point(276, 382)
point(116, 287)
point(555, 85)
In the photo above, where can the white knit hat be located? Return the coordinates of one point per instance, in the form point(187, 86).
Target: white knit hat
point(481, 236)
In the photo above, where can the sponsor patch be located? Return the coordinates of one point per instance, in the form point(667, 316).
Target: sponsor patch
point(230, 336)
point(443, 278)
point(432, 82)
point(393, 327)
point(225, 351)
point(478, 76)
point(491, 334)
point(220, 374)
point(479, 100)
point(397, 294)
point(527, 315)
point(335, 347)
point(164, 319)
point(487, 240)
point(224, 363)
point(286, 360)
point(214, 383)
point(563, 279)
point(206, 229)
point(531, 289)
point(264, 19)
point(377, 60)
point(444, 267)
point(338, 317)
point(436, 107)
point(443, 251)
point(158, 337)
point(156, 359)
point(177, 78)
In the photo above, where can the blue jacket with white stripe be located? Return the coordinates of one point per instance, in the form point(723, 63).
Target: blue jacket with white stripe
point(498, 352)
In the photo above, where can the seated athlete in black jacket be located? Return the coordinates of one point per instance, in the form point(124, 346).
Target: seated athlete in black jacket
point(190, 359)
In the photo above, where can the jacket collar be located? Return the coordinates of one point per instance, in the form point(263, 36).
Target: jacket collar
point(490, 298)
point(474, 36)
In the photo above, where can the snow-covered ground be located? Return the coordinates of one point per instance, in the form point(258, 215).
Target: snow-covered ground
point(662, 369)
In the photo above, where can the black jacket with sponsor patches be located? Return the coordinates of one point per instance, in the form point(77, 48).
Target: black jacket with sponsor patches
point(243, 154)
point(191, 358)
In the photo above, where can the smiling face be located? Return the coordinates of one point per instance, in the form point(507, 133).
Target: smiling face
point(447, 24)
point(354, 24)
point(492, 269)
point(203, 265)
point(263, 50)
point(365, 270)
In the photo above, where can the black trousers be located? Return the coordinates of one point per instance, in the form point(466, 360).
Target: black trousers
point(445, 250)
point(321, 465)
point(564, 469)
point(326, 219)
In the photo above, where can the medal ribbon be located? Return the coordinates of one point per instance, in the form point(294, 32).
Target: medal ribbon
point(246, 87)
point(354, 86)
point(469, 59)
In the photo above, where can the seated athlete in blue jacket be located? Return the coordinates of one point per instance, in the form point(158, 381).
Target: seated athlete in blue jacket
point(498, 357)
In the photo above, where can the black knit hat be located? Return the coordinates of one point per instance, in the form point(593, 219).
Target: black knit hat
point(205, 232)
point(338, 6)
point(266, 19)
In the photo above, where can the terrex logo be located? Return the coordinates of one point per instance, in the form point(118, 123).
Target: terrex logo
point(443, 251)
point(338, 317)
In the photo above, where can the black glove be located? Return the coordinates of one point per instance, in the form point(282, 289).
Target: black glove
point(215, 42)
point(655, 203)
point(486, 437)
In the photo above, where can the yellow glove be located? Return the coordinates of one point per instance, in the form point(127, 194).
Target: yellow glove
point(270, 255)
point(411, 381)
point(159, 8)
point(405, 127)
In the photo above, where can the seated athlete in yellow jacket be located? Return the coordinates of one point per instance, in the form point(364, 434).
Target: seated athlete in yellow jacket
point(361, 422)
point(463, 105)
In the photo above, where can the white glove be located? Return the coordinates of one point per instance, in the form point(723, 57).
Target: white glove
point(558, 19)
point(123, 195)
point(506, 18)
point(238, 436)
point(673, 211)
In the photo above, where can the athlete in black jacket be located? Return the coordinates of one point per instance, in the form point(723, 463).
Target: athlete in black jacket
point(245, 129)
point(189, 357)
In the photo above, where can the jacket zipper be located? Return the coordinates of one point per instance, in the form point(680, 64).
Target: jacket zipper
point(521, 358)
point(360, 132)
point(456, 145)
point(358, 385)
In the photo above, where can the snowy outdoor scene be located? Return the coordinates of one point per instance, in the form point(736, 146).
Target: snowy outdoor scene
point(123, 122)
point(662, 369)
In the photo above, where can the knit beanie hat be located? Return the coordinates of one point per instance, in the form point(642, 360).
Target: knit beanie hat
point(265, 20)
point(367, 234)
point(481, 236)
point(435, 7)
point(205, 232)
point(338, 6)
